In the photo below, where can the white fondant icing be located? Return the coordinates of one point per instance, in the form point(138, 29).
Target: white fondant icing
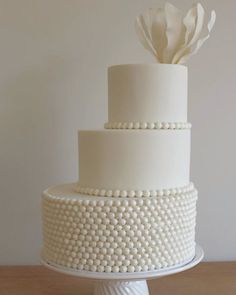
point(147, 93)
point(114, 235)
point(134, 159)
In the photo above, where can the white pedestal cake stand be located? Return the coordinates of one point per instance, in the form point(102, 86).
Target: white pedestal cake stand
point(125, 283)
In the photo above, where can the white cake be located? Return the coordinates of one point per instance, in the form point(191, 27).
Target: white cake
point(134, 207)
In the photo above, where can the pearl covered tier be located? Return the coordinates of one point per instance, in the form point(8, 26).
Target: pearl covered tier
point(134, 207)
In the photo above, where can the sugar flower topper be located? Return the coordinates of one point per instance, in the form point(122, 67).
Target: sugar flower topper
point(172, 37)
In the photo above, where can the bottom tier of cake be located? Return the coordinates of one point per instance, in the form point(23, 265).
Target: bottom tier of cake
point(108, 234)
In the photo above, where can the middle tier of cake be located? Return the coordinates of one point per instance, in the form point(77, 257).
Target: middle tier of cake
point(134, 159)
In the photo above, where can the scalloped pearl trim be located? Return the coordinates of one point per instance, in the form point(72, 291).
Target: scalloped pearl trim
point(134, 193)
point(148, 125)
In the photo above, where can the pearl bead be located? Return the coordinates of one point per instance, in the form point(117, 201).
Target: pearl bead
point(139, 193)
point(122, 221)
point(131, 194)
point(102, 193)
point(96, 192)
point(166, 192)
point(130, 125)
point(109, 203)
point(133, 203)
point(146, 193)
point(150, 125)
point(121, 209)
point(116, 193)
point(115, 269)
point(100, 268)
point(93, 268)
point(109, 193)
point(136, 125)
point(138, 268)
point(160, 193)
point(123, 193)
point(75, 208)
point(153, 193)
point(108, 269)
point(172, 125)
point(123, 268)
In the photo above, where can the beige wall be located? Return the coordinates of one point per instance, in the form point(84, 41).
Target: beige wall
point(53, 60)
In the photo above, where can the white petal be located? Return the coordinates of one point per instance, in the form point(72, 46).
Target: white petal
point(174, 30)
point(158, 29)
point(199, 24)
point(189, 22)
point(143, 34)
point(212, 21)
point(200, 42)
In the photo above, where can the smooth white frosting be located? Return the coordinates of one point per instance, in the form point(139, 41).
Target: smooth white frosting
point(134, 159)
point(117, 235)
point(147, 93)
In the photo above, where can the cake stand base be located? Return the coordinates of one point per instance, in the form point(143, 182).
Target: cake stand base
point(121, 288)
point(126, 283)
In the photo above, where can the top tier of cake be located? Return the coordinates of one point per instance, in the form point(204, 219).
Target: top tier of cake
point(147, 93)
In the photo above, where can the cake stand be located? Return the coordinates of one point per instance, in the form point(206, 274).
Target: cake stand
point(125, 283)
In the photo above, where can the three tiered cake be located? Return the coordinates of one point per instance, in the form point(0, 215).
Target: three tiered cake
point(134, 207)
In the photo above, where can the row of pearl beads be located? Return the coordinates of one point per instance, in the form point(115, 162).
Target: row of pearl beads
point(91, 204)
point(119, 266)
point(149, 250)
point(125, 209)
point(125, 234)
point(79, 207)
point(126, 253)
point(82, 265)
point(107, 238)
point(143, 220)
point(142, 249)
point(121, 223)
point(167, 247)
point(133, 193)
point(160, 253)
point(80, 210)
point(115, 269)
point(148, 125)
point(138, 215)
point(101, 214)
point(99, 219)
point(119, 238)
point(113, 256)
point(118, 260)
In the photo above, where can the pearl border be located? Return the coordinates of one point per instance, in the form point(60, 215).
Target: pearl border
point(148, 125)
point(134, 193)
